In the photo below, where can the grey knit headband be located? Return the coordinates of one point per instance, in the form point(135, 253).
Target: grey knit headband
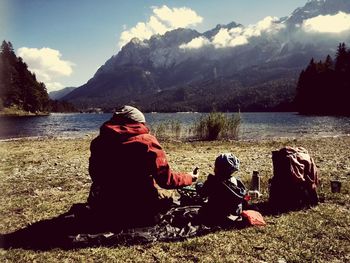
point(130, 113)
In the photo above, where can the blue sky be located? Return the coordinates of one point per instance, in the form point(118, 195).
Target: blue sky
point(78, 36)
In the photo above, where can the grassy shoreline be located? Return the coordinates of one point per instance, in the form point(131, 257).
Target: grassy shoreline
point(16, 112)
point(42, 177)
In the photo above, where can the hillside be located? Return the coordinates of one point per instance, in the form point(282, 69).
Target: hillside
point(56, 95)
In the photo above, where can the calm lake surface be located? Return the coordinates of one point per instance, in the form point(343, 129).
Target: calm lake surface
point(254, 126)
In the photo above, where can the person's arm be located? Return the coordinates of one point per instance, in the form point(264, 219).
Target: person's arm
point(162, 173)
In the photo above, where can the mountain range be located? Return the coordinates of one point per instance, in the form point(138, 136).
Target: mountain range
point(231, 67)
point(58, 94)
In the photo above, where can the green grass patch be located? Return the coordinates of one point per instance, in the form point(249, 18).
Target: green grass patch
point(42, 178)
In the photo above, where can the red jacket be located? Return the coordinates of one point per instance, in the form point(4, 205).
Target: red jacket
point(124, 165)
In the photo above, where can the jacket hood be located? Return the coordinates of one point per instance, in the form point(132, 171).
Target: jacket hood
point(127, 130)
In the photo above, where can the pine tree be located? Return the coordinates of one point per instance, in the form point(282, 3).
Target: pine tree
point(329, 62)
point(18, 86)
point(342, 68)
point(324, 88)
point(341, 61)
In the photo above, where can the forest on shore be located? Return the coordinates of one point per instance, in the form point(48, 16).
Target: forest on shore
point(19, 88)
point(324, 86)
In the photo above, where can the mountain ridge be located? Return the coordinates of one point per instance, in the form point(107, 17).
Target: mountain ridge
point(185, 60)
point(58, 94)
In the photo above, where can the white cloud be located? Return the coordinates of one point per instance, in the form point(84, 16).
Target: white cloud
point(196, 43)
point(238, 41)
point(162, 20)
point(46, 60)
point(237, 36)
point(177, 17)
point(47, 64)
point(230, 38)
point(52, 86)
point(222, 38)
point(328, 24)
point(267, 25)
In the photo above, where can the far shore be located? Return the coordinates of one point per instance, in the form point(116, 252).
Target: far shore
point(15, 112)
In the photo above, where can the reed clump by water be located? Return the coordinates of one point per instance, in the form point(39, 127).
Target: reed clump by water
point(214, 126)
point(171, 129)
point(218, 125)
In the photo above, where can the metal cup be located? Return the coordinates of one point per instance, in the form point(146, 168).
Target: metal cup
point(255, 182)
point(335, 186)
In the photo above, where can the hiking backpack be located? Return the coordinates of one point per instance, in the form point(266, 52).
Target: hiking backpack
point(295, 180)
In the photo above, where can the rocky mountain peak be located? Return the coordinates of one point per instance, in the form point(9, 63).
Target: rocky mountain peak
point(315, 8)
point(172, 38)
point(210, 33)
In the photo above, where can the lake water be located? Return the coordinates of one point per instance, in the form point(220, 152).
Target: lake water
point(254, 125)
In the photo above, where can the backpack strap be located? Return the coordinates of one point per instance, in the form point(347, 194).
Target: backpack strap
point(238, 190)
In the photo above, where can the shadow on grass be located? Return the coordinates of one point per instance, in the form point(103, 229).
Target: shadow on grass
point(69, 231)
point(57, 232)
point(268, 209)
point(79, 228)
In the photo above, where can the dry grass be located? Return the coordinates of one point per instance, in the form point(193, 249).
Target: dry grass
point(16, 111)
point(42, 178)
